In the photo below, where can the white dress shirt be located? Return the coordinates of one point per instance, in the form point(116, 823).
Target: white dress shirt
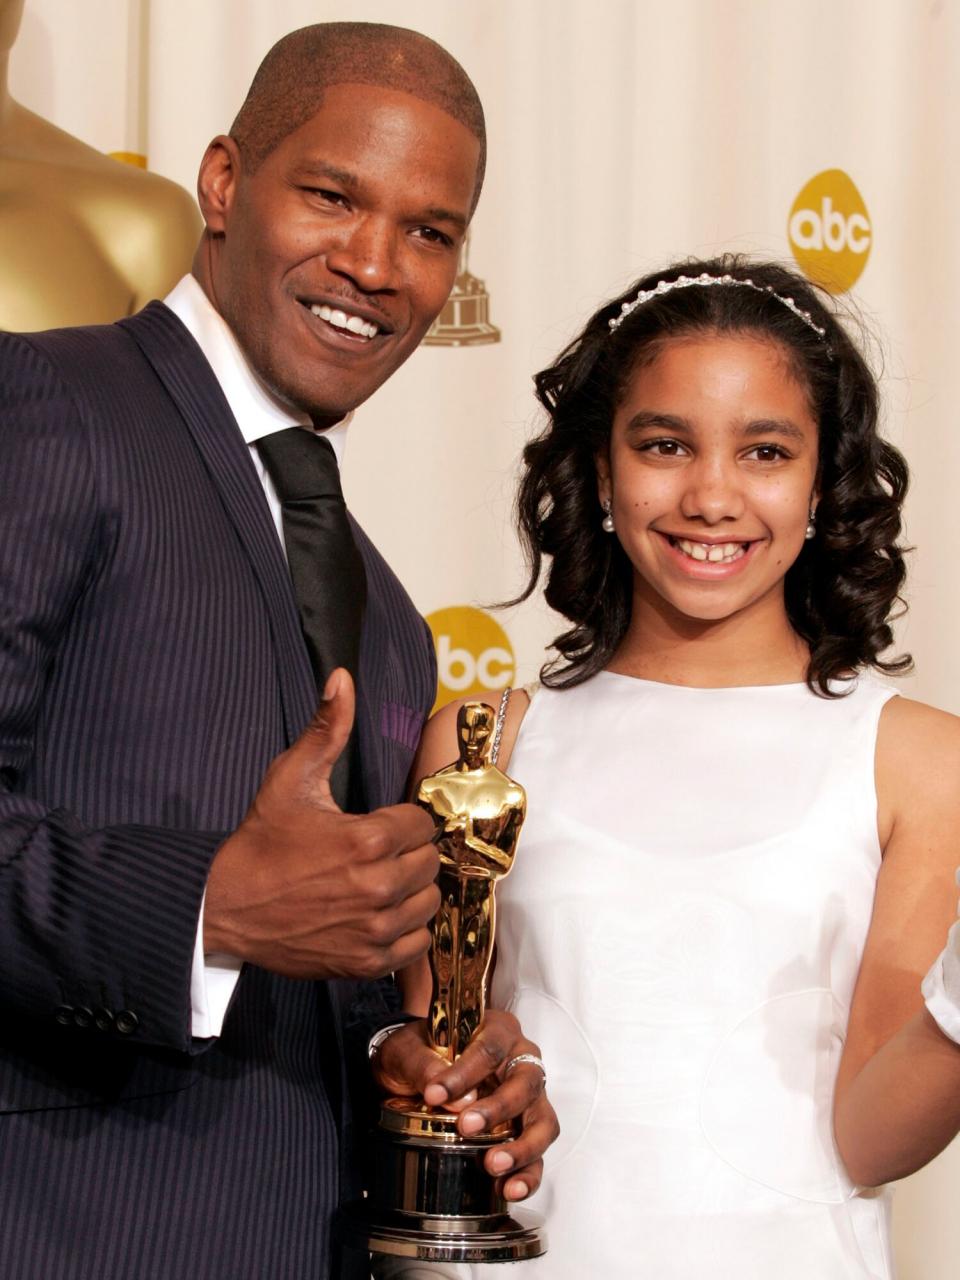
point(258, 413)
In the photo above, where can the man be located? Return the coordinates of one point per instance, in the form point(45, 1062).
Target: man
point(161, 643)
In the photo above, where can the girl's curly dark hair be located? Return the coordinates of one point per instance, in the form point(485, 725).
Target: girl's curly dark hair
point(844, 585)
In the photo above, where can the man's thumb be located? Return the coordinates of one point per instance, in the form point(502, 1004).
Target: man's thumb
point(326, 735)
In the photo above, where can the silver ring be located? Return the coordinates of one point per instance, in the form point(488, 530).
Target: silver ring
point(527, 1057)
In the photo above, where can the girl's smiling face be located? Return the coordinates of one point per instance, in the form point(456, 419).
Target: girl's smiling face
point(711, 472)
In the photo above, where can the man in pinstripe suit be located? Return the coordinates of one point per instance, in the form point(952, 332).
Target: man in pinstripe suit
point(163, 1111)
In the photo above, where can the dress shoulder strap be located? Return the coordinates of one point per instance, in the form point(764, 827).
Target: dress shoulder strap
point(498, 728)
point(529, 690)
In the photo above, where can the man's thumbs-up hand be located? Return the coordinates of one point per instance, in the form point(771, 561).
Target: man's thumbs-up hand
point(318, 748)
point(305, 890)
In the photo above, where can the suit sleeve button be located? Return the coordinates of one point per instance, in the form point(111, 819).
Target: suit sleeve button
point(64, 1015)
point(82, 1016)
point(103, 1019)
point(127, 1022)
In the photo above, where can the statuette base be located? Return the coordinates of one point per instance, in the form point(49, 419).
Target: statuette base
point(504, 1238)
point(431, 1198)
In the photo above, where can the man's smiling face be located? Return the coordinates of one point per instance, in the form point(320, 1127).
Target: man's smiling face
point(331, 260)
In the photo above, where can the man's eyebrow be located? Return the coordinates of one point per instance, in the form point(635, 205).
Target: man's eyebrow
point(434, 214)
point(323, 170)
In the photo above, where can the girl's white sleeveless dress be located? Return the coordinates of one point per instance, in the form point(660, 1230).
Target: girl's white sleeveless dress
point(681, 933)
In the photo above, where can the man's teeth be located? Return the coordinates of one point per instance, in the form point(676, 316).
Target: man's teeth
point(340, 320)
point(715, 553)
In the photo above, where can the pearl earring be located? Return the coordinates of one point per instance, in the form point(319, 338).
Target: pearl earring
point(607, 522)
point(811, 530)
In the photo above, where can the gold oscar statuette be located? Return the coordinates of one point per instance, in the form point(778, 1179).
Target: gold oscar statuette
point(431, 1198)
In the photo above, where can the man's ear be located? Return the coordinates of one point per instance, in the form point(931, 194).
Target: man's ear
point(217, 182)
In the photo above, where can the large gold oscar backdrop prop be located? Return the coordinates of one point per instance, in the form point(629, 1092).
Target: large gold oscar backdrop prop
point(84, 239)
point(431, 1197)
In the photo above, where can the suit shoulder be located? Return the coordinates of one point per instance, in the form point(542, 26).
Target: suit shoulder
point(70, 353)
point(101, 364)
point(88, 384)
point(31, 373)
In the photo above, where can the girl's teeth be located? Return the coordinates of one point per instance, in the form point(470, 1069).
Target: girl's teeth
point(714, 553)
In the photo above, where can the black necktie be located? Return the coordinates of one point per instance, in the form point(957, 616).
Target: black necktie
point(329, 580)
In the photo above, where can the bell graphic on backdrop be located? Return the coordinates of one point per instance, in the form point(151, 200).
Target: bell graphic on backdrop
point(465, 318)
point(431, 1197)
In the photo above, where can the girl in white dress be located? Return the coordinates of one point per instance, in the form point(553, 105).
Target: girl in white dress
point(739, 852)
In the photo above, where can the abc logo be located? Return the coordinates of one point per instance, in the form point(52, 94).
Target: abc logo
point(473, 653)
point(830, 232)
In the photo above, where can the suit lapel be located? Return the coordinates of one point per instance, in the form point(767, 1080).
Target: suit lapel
point(182, 368)
point(369, 691)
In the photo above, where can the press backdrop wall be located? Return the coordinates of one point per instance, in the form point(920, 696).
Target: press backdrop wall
point(622, 133)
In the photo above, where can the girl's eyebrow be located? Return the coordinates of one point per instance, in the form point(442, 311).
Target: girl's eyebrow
point(665, 421)
point(775, 426)
point(755, 427)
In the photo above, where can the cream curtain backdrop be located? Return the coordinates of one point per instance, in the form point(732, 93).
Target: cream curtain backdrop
point(623, 133)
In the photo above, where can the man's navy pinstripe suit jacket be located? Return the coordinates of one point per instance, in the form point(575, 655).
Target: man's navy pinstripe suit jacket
point(151, 665)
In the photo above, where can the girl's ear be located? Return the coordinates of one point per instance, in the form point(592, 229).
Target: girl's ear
point(604, 486)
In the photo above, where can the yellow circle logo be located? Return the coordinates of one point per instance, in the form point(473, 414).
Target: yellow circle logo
point(474, 654)
point(830, 232)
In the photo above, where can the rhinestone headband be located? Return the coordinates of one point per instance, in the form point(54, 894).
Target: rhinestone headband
point(704, 281)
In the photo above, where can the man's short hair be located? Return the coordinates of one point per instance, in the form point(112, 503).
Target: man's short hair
point(290, 82)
